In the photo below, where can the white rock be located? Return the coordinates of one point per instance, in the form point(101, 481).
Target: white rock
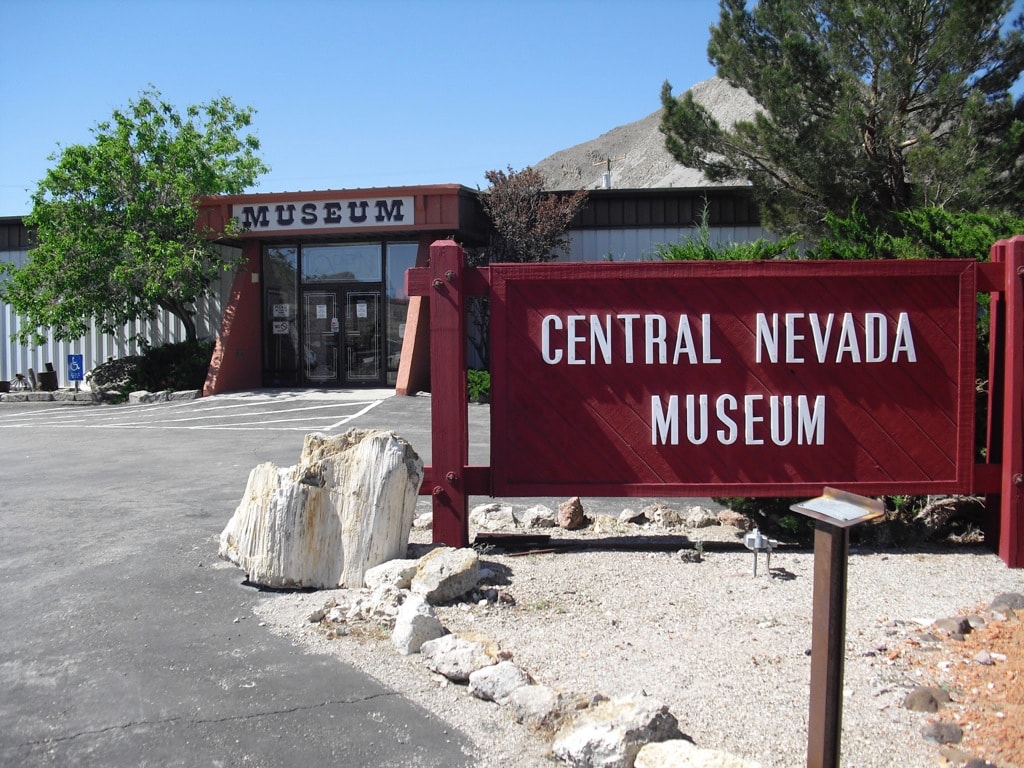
point(396, 573)
point(415, 624)
point(537, 706)
point(537, 516)
point(497, 681)
point(446, 573)
point(630, 515)
point(610, 734)
point(700, 517)
point(384, 602)
point(678, 753)
point(455, 657)
point(493, 516)
point(143, 396)
point(345, 507)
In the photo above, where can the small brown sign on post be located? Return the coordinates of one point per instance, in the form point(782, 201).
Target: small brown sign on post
point(834, 513)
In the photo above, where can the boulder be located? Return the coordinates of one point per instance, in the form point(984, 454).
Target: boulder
point(456, 657)
point(496, 682)
point(415, 624)
point(1007, 601)
point(493, 517)
point(571, 515)
point(444, 574)
point(662, 515)
point(735, 519)
point(942, 733)
point(925, 699)
point(397, 573)
point(610, 734)
point(680, 753)
point(345, 507)
point(700, 517)
point(537, 516)
point(536, 706)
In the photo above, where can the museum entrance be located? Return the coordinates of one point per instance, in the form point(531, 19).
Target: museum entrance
point(334, 313)
point(342, 339)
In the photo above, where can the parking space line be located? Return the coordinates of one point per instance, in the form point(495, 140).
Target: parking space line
point(258, 415)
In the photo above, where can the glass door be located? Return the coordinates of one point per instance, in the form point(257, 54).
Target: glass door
point(363, 338)
point(321, 328)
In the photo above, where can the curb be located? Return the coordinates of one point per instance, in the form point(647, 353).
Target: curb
point(88, 397)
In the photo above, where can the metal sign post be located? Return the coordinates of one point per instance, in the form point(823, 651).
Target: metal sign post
point(834, 513)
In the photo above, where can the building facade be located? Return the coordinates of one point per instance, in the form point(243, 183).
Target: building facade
point(319, 300)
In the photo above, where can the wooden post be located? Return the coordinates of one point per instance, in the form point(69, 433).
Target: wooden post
point(1011, 511)
point(1005, 441)
point(449, 417)
point(828, 645)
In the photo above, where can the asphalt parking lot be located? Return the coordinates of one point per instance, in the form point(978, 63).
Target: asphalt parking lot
point(125, 641)
point(272, 410)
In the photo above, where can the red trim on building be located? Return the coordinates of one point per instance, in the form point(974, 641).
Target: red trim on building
point(236, 355)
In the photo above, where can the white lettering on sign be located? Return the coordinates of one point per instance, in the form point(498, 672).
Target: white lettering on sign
point(866, 342)
point(751, 419)
point(789, 338)
point(596, 339)
point(325, 214)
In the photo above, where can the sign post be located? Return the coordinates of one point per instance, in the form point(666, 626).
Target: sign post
point(833, 513)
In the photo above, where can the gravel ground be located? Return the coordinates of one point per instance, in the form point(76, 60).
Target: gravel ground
point(727, 652)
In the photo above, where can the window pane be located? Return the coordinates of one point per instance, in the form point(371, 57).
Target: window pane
point(280, 331)
point(356, 263)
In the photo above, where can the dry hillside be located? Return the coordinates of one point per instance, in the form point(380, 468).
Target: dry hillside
point(645, 162)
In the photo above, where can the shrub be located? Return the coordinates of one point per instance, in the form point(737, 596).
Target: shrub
point(478, 386)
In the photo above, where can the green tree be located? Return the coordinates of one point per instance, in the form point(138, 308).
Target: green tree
point(116, 221)
point(889, 104)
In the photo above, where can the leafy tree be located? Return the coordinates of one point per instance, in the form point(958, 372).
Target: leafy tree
point(115, 220)
point(892, 104)
point(528, 223)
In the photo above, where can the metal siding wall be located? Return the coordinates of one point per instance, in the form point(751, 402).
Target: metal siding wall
point(97, 347)
point(639, 244)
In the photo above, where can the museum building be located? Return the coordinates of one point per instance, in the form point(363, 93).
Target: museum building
point(319, 300)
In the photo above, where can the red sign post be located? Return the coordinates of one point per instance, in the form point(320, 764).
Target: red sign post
point(735, 378)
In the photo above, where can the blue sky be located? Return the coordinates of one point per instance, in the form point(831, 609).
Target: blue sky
point(348, 94)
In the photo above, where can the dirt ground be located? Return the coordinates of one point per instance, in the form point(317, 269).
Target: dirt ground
point(987, 699)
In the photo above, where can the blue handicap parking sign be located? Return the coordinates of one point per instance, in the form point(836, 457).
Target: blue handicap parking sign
point(75, 372)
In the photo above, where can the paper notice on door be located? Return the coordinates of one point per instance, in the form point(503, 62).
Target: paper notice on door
point(321, 311)
point(361, 309)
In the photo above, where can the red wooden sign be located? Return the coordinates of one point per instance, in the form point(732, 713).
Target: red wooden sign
point(697, 379)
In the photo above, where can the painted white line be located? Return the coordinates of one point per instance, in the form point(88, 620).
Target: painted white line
point(206, 416)
point(347, 419)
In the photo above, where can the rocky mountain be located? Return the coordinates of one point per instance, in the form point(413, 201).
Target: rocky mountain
point(637, 151)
